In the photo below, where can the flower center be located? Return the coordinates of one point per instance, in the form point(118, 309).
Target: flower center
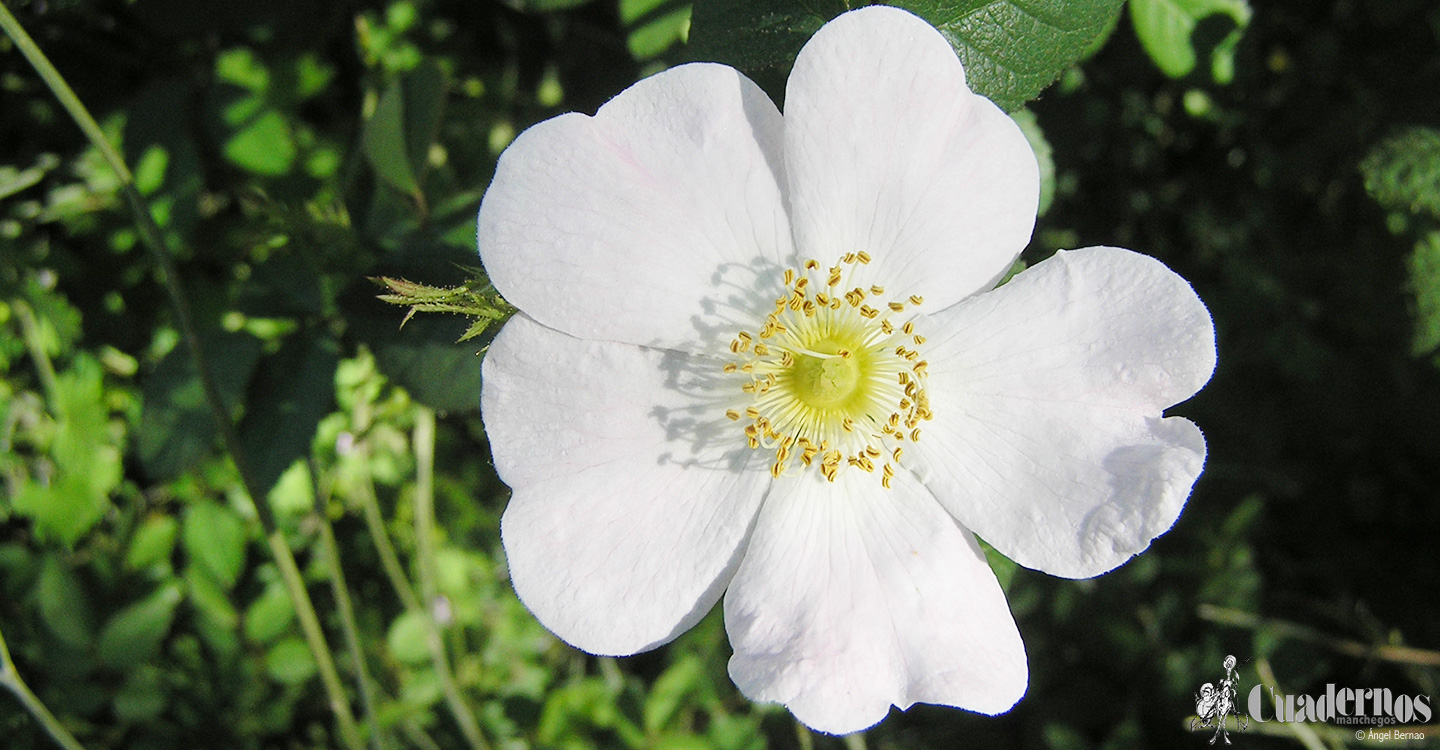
point(835, 376)
point(826, 381)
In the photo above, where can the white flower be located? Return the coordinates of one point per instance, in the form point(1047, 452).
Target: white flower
point(688, 406)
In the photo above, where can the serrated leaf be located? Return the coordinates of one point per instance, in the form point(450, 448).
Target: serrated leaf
point(1403, 172)
point(1166, 28)
point(292, 392)
point(1012, 49)
point(214, 538)
point(133, 636)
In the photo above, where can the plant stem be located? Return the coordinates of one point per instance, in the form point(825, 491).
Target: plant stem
point(10, 679)
point(425, 563)
point(341, 591)
point(375, 523)
point(30, 331)
point(1286, 629)
point(154, 241)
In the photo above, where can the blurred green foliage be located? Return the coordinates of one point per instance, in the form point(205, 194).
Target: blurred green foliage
point(1282, 158)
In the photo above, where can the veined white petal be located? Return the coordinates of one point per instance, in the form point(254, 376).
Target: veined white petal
point(631, 499)
point(650, 222)
point(1048, 439)
point(888, 152)
point(852, 598)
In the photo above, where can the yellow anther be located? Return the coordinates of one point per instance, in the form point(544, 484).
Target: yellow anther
point(872, 451)
point(844, 353)
point(752, 412)
point(834, 279)
point(849, 258)
point(886, 328)
point(777, 469)
point(921, 366)
point(761, 350)
point(812, 264)
point(801, 283)
point(897, 306)
point(848, 424)
point(868, 311)
point(909, 327)
point(918, 339)
point(896, 454)
point(789, 277)
point(877, 290)
point(809, 309)
point(863, 256)
point(732, 415)
point(743, 336)
point(787, 359)
point(886, 475)
point(822, 298)
point(916, 299)
point(915, 435)
point(730, 367)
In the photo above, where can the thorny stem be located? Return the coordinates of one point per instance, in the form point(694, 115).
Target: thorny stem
point(341, 591)
point(155, 243)
point(10, 679)
point(425, 563)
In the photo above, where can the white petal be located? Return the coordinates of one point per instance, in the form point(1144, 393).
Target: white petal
point(631, 498)
point(1048, 440)
point(632, 224)
point(889, 152)
point(852, 597)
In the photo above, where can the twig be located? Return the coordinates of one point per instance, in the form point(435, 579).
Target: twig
point(1384, 652)
point(10, 678)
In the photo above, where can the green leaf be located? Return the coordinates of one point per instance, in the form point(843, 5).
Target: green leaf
point(654, 25)
point(425, 89)
point(214, 537)
point(292, 392)
point(177, 427)
point(1166, 29)
point(385, 141)
point(143, 696)
point(406, 639)
point(270, 615)
point(134, 635)
point(1423, 266)
point(153, 543)
point(1012, 49)
point(290, 662)
point(670, 690)
point(64, 607)
point(265, 145)
point(1403, 172)
point(87, 459)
